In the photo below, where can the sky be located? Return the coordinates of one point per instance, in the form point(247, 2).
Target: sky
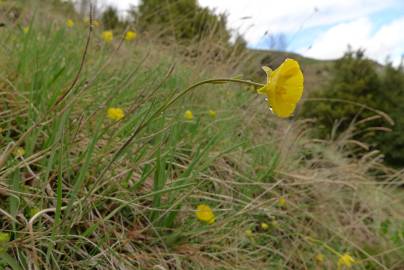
point(321, 29)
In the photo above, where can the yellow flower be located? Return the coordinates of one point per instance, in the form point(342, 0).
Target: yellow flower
point(115, 114)
point(4, 237)
point(345, 260)
point(319, 258)
point(264, 226)
point(25, 29)
point(284, 87)
point(19, 152)
point(249, 233)
point(282, 201)
point(69, 23)
point(188, 115)
point(130, 35)
point(96, 23)
point(204, 213)
point(33, 211)
point(107, 36)
point(212, 114)
point(275, 224)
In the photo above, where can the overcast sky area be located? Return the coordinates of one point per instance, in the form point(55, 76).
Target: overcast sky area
point(316, 28)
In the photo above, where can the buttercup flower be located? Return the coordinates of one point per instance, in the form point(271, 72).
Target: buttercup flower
point(115, 114)
point(249, 233)
point(25, 29)
point(188, 115)
point(319, 258)
point(69, 23)
point(282, 201)
point(130, 35)
point(96, 23)
point(107, 36)
point(204, 213)
point(19, 152)
point(4, 237)
point(264, 226)
point(284, 87)
point(345, 260)
point(212, 113)
point(34, 211)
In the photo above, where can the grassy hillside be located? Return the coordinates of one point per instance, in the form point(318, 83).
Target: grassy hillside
point(80, 189)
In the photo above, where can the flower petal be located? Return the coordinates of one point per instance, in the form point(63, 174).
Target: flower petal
point(283, 109)
point(289, 81)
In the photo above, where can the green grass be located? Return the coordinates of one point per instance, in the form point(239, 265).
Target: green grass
point(87, 196)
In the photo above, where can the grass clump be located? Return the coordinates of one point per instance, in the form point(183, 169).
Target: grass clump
point(106, 175)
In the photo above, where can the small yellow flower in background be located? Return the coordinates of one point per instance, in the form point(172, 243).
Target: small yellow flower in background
point(319, 258)
point(282, 201)
point(19, 152)
point(25, 29)
point(115, 114)
point(204, 213)
point(4, 237)
point(69, 23)
point(264, 226)
point(188, 115)
point(33, 211)
point(284, 87)
point(345, 260)
point(249, 233)
point(107, 36)
point(212, 114)
point(275, 224)
point(130, 35)
point(96, 23)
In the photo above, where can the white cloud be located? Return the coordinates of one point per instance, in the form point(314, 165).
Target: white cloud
point(387, 41)
point(286, 16)
point(289, 16)
point(335, 41)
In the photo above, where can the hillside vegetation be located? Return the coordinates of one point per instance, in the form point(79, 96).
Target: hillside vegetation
point(86, 187)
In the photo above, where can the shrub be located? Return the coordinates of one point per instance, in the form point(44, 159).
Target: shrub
point(183, 20)
point(110, 19)
point(392, 91)
point(358, 84)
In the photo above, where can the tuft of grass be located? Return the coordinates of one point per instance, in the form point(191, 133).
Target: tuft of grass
point(90, 192)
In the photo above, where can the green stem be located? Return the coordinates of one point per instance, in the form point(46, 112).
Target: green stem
point(186, 91)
